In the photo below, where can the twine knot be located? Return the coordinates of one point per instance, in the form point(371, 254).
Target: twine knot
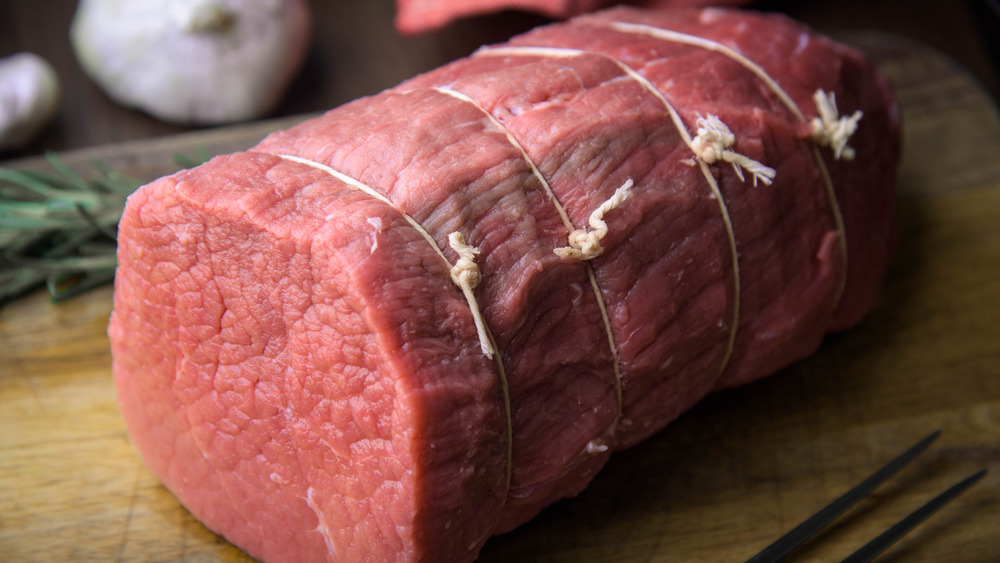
point(586, 245)
point(832, 130)
point(712, 144)
point(465, 274)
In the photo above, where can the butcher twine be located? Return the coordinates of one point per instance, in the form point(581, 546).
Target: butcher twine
point(830, 131)
point(713, 142)
point(569, 228)
point(466, 276)
point(698, 149)
point(586, 245)
point(464, 273)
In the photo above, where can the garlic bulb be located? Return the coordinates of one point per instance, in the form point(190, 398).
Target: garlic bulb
point(192, 61)
point(29, 94)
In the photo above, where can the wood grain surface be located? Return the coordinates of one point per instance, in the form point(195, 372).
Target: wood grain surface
point(719, 484)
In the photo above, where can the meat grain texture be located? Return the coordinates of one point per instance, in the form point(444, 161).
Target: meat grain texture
point(297, 365)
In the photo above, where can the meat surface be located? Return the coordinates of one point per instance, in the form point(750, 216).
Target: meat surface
point(420, 16)
point(312, 361)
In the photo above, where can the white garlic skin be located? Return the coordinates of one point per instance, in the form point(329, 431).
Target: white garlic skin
point(192, 61)
point(29, 96)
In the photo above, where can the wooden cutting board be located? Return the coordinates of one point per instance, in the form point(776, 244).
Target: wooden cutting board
point(719, 484)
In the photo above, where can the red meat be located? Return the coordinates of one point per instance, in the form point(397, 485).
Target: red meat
point(420, 16)
point(297, 361)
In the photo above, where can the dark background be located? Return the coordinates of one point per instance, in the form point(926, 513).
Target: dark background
point(356, 51)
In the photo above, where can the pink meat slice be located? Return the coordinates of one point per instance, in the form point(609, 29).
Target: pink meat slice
point(421, 16)
point(296, 364)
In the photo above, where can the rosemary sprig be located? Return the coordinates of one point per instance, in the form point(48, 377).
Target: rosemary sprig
point(58, 229)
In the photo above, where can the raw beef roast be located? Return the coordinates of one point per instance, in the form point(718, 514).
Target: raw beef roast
point(397, 329)
point(419, 16)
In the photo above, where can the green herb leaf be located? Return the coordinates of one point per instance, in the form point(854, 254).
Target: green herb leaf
point(58, 229)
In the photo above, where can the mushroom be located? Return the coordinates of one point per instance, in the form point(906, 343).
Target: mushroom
point(29, 94)
point(192, 61)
